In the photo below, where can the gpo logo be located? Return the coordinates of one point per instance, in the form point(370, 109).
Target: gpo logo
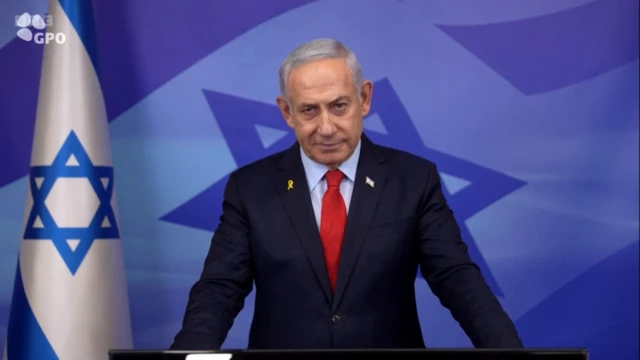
point(38, 22)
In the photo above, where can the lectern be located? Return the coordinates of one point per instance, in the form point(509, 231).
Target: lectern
point(429, 354)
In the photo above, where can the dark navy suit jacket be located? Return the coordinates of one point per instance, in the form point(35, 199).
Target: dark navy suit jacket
point(268, 235)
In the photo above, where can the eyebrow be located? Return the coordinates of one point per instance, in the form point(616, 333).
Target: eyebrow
point(336, 100)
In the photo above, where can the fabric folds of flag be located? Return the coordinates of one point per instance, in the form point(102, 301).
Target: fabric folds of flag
point(70, 296)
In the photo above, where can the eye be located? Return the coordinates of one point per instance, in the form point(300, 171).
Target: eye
point(341, 106)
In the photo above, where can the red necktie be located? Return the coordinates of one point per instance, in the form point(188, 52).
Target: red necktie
point(333, 223)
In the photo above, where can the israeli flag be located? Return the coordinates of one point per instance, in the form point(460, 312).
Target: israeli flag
point(70, 297)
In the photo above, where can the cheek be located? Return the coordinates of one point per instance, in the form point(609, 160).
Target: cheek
point(305, 131)
point(351, 124)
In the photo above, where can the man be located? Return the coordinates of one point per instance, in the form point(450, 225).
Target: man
point(332, 232)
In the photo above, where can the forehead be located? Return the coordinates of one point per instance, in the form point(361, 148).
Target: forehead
point(321, 79)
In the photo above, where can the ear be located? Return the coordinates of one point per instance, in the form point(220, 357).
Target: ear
point(285, 109)
point(365, 97)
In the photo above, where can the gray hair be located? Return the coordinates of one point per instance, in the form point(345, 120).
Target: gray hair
point(317, 50)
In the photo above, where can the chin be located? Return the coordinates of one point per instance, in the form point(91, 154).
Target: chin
point(333, 159)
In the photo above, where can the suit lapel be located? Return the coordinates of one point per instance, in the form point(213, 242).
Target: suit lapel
point(297, 202)
point(370, 178)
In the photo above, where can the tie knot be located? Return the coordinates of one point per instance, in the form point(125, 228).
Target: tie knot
point(334, 177)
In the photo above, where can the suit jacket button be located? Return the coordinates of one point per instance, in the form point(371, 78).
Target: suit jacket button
point(336, 319)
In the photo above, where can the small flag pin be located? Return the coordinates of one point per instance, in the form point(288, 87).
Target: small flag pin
point(369, 182)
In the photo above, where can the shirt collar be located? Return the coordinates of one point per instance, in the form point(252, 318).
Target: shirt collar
point(316, 171)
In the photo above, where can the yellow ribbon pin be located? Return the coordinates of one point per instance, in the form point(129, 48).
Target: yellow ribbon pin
point(290, 185)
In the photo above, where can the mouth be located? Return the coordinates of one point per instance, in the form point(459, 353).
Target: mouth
point(330, 146)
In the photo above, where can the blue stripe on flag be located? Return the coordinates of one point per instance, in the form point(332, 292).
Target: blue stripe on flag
point(25, 338)
point(80, 13)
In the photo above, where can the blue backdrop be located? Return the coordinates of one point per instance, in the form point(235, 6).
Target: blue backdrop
point(530, 109)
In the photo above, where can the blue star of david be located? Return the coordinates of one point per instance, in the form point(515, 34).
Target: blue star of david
point(262, 132)
point(41, 225)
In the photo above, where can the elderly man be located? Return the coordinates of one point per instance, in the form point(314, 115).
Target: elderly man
point(332, 232)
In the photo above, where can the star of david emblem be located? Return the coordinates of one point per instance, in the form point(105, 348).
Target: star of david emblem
point(71, 203)
point(254, 130)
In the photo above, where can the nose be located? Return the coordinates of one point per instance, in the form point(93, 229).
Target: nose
point(326, 127)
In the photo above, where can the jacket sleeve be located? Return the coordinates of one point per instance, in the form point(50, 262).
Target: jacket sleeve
point(226, 280)
point(454, 278)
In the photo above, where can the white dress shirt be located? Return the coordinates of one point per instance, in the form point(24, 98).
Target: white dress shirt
point(318, 185)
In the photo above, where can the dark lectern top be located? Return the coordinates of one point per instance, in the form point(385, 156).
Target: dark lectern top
point(440, 354)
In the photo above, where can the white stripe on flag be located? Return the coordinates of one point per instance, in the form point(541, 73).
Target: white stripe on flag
point(80, 305)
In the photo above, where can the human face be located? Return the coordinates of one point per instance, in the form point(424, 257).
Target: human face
point(325, 110)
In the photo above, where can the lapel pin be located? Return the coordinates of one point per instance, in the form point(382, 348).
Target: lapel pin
point(290, 185)
point(369, 182)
